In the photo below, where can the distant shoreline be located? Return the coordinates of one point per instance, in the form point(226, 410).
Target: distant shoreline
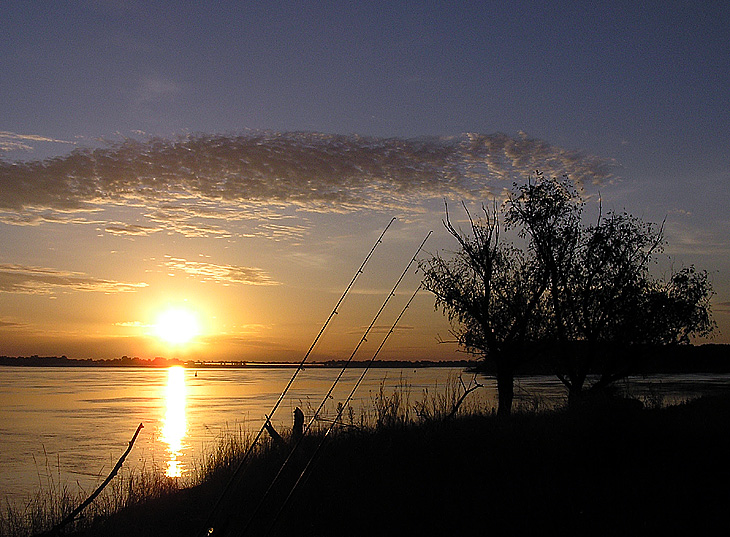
point(677, 359)
point(161, 363)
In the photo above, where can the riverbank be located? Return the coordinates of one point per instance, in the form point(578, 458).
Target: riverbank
point(610, 472)
point(617, 471)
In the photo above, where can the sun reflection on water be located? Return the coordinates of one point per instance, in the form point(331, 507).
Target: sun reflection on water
point(175, 424)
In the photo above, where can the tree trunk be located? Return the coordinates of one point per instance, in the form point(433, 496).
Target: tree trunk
point(505, 389)
point(579, 359)
point(576, 394)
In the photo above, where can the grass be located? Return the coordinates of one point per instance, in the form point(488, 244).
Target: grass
point(401, 470)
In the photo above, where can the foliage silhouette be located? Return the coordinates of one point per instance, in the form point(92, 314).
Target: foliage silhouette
point(576, 295)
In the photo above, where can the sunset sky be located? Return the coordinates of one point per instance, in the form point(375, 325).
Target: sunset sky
point(236, 161)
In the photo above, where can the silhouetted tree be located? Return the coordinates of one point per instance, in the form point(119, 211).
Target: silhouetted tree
point(492, 294)
point(577, 295)
point(602, 295)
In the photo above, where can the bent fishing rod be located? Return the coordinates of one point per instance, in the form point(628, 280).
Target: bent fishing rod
point(306, 472)
point(363, 339)
point(210, 528)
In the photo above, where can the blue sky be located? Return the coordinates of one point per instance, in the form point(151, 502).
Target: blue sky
point(629, 97)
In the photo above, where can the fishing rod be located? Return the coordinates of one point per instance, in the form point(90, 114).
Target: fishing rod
point(306, 472)
point(210, 529)
point(363, 339)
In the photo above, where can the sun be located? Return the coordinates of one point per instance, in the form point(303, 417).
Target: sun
point(177, 326)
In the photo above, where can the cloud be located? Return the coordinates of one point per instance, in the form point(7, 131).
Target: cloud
point(685, 239)
point(40, 280)
point(302, 171)
point(11, 141)
point(129, 229)
point(223, 274)
point(281, 231)
point(186, 220)
point(131, 324)
point(33, 217)
point(203, 220)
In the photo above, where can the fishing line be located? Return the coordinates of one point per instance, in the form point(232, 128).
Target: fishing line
point(306, 472)
point(363, 339)
point(209, 528)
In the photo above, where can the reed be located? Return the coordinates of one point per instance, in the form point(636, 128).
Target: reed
point(53, 501)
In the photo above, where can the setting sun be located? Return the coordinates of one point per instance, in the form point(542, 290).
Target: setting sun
point(177, 326)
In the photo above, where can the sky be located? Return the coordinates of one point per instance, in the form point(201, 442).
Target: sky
point(236, 161)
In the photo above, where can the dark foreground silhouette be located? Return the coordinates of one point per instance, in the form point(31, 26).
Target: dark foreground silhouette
point(597, 471)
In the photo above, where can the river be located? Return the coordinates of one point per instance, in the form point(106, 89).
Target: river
point(68, 426)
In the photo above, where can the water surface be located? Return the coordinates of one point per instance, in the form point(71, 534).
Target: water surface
point(68, 426)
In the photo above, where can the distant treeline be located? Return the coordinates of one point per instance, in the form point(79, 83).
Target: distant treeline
point(355, 364)
point(403, 364)
point(63, 361)
point(126, 361)
point(678, 359)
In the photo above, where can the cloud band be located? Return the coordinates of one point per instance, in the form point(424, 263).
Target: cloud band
point(313, 171)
